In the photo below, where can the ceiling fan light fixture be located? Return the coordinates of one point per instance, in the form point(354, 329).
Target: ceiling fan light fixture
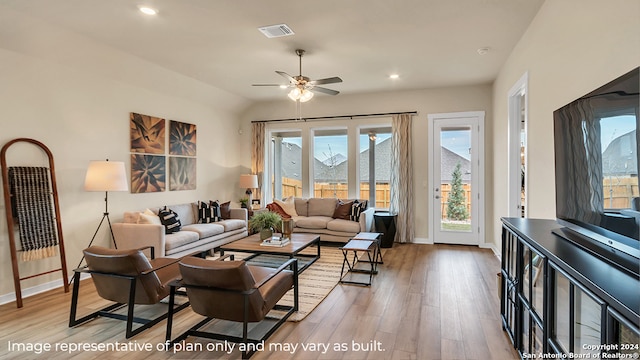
point(294, 94)
point(303, 95)
point(306, 95)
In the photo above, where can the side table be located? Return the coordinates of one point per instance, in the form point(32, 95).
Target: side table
point(385, 223)
point(350, 254)
point(372, 236)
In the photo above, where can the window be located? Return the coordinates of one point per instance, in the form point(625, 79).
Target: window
point(375, 166)
point(619, 161)
point(330, 164)
point(286, 169)
point(330, 159)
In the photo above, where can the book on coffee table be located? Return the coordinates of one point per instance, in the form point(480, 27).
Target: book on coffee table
point(277, 242)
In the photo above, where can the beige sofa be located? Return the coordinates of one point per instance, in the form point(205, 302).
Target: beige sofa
point(315, 217)
point(192, 237)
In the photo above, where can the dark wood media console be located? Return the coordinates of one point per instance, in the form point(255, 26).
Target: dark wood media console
point(560, 298)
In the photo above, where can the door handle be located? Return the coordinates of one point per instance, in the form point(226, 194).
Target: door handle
point(437, 196)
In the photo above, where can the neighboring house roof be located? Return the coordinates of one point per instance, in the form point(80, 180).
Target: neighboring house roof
point(292, 160)
point(621, 156)
point(448, 165)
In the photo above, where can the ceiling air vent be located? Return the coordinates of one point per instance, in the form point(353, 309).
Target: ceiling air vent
point(274, 31)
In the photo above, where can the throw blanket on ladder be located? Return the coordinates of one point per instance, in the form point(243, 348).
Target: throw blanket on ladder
point(32, 205)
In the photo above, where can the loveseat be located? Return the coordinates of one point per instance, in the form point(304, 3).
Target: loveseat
point(140, 229)
point(327, 217)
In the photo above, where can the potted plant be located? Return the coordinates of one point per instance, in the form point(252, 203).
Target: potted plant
point(244, 202)
point(265, 222)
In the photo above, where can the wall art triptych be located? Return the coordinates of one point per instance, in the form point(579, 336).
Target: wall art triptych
point(148, 154)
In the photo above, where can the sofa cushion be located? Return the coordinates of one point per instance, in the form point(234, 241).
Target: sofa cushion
point(188, 213)
point(232, 224)
point(170, 220)
point(301, 206)
point(131, 217)
point(205, 230)
point(322, 207)
point(343, 225)
point(180, 238)
point(343, 210)
point(288, 205)
point(312, 222)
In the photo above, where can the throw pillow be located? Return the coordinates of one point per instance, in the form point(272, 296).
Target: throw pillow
point(273, 207)
point(225, 210)
point(343, 210)
point(288, 205)
point(356, 209)
point(149, 219)
point(207, 212)
point(215, 210)
point(170, 220)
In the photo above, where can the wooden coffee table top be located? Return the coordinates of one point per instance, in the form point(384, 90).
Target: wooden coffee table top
point(252, 244)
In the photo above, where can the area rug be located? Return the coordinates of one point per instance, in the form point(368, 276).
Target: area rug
point(314, 283)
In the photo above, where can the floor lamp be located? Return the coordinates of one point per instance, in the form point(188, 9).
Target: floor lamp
point(105, 176)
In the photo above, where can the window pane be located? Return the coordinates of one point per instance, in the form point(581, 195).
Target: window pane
point(375, 147)
point(330, 164)
point(619, 160)
point(455, 181)
point(286, 169)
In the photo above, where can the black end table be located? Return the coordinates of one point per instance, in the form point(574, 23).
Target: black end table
point(386, 224)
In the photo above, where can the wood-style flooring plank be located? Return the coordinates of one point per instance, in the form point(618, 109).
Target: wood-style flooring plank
point(427, 302)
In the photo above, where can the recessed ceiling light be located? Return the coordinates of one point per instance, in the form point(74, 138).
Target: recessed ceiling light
point(148, 10)
point(483, 51)
point(394, 76)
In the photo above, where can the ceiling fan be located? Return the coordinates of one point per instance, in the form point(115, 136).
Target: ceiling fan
point(303, 87)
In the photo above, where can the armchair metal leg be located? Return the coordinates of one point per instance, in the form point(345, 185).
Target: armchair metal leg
point(107, 311)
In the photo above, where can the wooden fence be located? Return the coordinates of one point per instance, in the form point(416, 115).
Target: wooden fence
point(617, 192)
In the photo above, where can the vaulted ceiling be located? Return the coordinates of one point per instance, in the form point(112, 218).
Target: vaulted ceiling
point(428, 43)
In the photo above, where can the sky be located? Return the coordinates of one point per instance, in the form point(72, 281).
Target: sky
point(613, 127)
point(338, 144)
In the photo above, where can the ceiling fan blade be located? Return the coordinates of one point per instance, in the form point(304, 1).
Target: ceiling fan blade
point(287, 76)
point(270, 85)
point(331, 80)
point(324, 90)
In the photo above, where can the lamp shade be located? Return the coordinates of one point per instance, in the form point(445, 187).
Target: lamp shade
point(106, 176)
point(249, 181)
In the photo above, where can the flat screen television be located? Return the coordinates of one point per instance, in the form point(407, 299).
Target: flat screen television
point(596, 141)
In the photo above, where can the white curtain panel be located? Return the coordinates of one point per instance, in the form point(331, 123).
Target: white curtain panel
point(401, 177)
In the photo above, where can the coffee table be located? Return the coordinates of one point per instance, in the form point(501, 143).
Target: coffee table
point(299, 242)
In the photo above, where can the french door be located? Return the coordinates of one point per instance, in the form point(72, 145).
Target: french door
point(456, 164)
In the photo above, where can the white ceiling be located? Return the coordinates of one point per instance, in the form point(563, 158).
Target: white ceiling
point(429, 43)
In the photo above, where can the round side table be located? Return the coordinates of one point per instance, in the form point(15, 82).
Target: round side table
point(386, 224)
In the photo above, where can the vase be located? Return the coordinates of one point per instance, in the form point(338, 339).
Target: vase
point(266, 233)
point(287, 228)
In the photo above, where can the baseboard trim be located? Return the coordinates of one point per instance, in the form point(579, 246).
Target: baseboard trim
point(38, 289)
point(417, 240)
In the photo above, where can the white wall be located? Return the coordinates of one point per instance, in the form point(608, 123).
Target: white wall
point(571, 48)
point(430, 101)
point(75, 96)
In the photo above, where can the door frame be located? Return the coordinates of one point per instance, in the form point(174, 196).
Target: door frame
point(479, 192)
point(516, 113)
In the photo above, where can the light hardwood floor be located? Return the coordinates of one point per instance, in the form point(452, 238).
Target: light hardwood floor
point(427, 302)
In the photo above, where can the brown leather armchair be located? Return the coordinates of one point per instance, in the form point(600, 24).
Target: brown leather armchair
point(234, 291)
point(126, 277)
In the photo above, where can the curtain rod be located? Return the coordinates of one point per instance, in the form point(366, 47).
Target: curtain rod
point(337, 117)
